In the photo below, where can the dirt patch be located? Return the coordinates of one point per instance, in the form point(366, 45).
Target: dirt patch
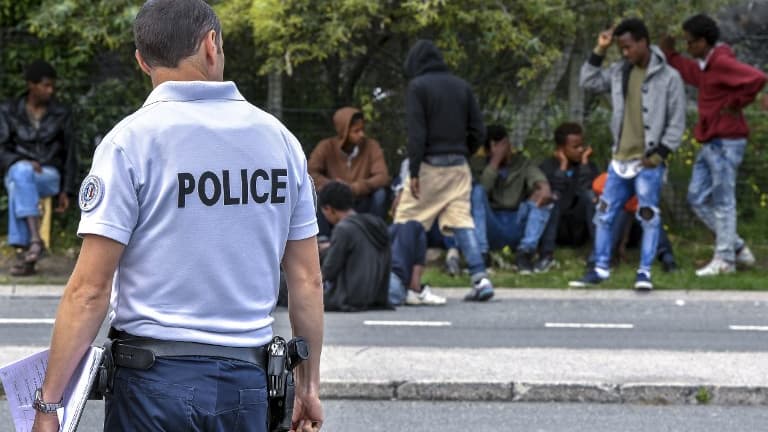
point(53, 268)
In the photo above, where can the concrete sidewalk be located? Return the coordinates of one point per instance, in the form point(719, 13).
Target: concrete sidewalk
point(533, 374)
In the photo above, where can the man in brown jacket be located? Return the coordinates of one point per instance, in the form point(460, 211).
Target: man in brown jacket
point(352, 158)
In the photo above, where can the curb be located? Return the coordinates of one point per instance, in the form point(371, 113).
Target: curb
point(629, 393)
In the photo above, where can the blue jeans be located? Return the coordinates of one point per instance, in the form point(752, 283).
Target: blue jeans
point(521, 228)
point(436, 239)
point(189, 393)
point(712, 192)
point(397, 290)
point(647, 186)
point(25, 188)
point(409, 248)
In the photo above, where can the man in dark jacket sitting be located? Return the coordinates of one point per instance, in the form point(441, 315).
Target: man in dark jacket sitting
point(356, 263)
point(38, 158)
point(570, 174)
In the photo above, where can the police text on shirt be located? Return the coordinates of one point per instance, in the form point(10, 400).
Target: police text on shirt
point(261, 186)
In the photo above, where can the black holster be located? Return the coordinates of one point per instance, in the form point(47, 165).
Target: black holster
point(105, 376)
point(282, 358)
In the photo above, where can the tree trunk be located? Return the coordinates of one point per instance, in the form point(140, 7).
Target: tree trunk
point(275, 94)
point(575, 92)
point(526, 116)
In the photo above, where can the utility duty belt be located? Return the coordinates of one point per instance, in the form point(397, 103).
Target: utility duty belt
point(278, 359)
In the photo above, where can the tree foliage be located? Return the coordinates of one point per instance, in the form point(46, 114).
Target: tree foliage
point(335, 52)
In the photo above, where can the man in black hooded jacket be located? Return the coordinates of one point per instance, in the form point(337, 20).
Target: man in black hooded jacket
point(357, 262)
point(445, 127)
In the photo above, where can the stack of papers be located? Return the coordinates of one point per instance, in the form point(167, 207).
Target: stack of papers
point(21, 378)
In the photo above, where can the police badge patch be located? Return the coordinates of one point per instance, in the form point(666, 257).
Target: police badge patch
point(91, 193)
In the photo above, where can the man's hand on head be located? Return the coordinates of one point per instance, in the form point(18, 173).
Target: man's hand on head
point(500, 151)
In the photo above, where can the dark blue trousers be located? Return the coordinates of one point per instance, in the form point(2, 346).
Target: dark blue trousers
point(189, 394)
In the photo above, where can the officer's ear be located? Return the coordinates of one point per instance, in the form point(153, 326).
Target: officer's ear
point(142, 64)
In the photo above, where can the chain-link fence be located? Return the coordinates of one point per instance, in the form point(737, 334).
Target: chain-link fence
point(312, 125)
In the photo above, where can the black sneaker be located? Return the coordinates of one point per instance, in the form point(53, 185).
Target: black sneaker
point(524, 262)
point(544, 264)
point(668, 264)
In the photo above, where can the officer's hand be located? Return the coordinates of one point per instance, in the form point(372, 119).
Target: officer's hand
point(63, 203)
point(415, 187)
point(46, 423)
point(307, 413)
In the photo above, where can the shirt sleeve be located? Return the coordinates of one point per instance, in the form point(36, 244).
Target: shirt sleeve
point(533, 175)
point(108, 197)
point(303, 223)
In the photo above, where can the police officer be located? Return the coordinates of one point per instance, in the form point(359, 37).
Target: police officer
point(191, 205)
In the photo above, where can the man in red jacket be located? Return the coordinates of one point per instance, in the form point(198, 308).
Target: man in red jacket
point(726, 86)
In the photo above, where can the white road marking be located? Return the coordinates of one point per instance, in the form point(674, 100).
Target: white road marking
point(748, 328)
point(408, 323)
point(589, 325)
point(26, 320)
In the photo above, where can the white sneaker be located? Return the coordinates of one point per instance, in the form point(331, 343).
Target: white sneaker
point(716, 267)
point(745, 257)
point(481, 291)
point(424, 298)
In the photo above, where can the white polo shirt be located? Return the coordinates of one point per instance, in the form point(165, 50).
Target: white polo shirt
point(204, 190)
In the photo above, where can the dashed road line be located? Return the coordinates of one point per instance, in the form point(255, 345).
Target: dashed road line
point(408, 323)
point(589, 326)
point(748, 328)
point(26, 320)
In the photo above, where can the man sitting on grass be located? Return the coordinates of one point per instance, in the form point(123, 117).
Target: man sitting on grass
point(356, 263)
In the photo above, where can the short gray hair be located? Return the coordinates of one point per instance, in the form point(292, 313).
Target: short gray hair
point(168, 31)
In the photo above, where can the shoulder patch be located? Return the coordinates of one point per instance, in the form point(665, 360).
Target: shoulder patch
point(91, 193)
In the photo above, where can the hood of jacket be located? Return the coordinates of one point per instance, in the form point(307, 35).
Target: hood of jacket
point(657, 61)
point(374, 228)
point(424, 57)
point(341, 119)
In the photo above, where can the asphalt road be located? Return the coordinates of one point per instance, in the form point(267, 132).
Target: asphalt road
point(628, 323)
point(353, 416)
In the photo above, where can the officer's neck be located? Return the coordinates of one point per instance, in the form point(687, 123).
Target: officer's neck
point(185, 71)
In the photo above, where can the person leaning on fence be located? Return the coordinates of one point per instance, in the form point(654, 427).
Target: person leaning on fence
point(647, 124)
point(355, 159)
point(570, 173)
point(445, 127)
point(190, 207)
point(725, 87)
point(39, 158)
